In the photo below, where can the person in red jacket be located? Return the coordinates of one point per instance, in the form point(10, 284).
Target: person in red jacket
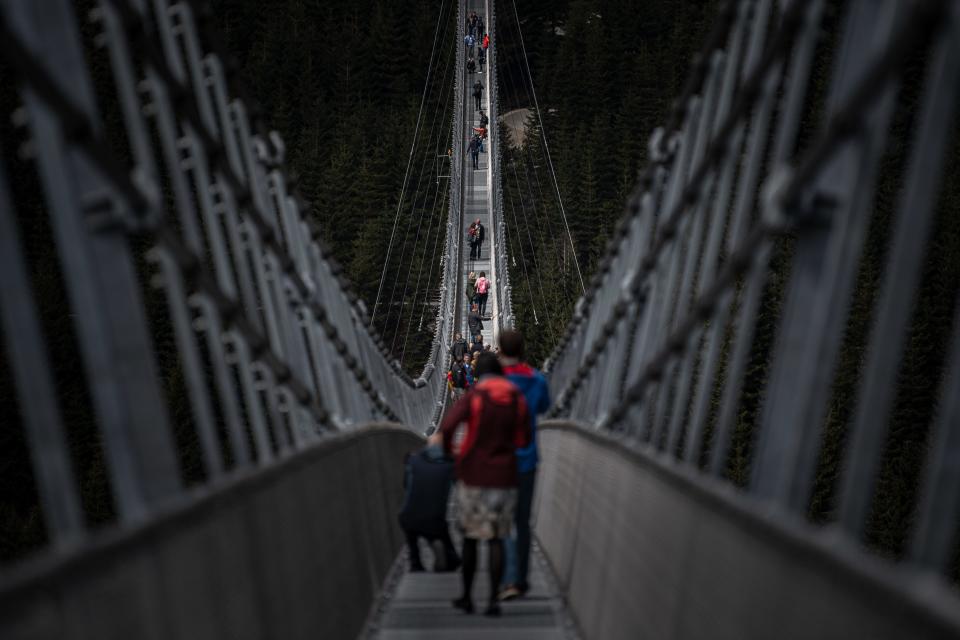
point(497, 424)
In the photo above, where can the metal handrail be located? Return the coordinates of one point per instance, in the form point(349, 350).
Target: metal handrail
point(661, 341)
point(271, 341)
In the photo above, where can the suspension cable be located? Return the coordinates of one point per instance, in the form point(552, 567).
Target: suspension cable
point(523, 260)
point(416, 132)
point(533, 251)
point(437, 208)
point(416, 293)
point(529, 153)
point(436, 249)
point(543, 132)
point(435, 211)
point(526, 157)
point(406, 284)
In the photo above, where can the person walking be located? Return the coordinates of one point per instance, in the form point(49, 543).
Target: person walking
point(482, 288)
point(473, 321)
point(472, 24)
point(474, 149)
point(537, 394)
point(479, 235)
point(495, 413)
point(427, 478)
point(477, 345)
point(484, 120)
point(481, 58)
point(481, 134)
point(458, 348)
point(472, 278)
point(471, 288)
point(477, 93)
point(486, 41)
point(460, 375)
point(471, 283)
point(471, 65)
point(469, 367)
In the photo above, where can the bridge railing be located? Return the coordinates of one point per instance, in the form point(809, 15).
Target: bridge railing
point(713, 331)
point(202, 302)
point(505, 318)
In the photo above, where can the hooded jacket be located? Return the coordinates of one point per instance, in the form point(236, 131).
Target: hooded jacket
point(537, 394)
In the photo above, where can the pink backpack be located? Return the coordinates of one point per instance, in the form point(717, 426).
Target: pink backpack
point(482, 286)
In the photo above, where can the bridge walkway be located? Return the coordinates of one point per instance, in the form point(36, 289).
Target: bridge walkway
point(477, 187)
point(417, 605)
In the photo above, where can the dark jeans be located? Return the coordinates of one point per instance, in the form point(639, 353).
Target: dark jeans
point(449, 550)
point(478, 101)
point(482, 303)
point(518, 549)
point(476, 156)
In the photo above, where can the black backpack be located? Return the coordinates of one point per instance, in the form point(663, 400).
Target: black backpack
point(459, 376)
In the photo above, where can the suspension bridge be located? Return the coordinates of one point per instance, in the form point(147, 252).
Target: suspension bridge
point(175, 224)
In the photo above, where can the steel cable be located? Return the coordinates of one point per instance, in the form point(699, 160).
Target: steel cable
point(546, 147)
point(396, 217)
point(415, 199)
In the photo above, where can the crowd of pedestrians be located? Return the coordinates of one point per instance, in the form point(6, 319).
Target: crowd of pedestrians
point(486, 452)
point(477, 39)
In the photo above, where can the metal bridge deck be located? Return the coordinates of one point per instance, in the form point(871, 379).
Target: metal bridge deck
point(419, 607)
point(477, 186)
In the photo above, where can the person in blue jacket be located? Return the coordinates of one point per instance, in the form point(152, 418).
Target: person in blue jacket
point(537, 394)
point(428, 476)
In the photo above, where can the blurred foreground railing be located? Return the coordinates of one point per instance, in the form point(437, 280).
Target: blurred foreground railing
point(751, 317)
point(211, 331)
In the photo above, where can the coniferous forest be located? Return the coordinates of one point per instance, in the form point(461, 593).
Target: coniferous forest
point(342, 82)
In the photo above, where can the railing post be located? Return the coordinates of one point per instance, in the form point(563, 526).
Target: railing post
point(100, 274)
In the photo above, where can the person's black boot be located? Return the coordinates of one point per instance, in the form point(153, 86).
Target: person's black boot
point(453, 563)
point(464, 603)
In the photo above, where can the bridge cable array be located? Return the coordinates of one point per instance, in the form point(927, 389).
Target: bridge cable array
point(437, 209)
point(533, 204)
point(546, 146)
point(435, 53)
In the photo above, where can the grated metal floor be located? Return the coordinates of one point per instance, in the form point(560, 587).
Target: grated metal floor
point(418, 605)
